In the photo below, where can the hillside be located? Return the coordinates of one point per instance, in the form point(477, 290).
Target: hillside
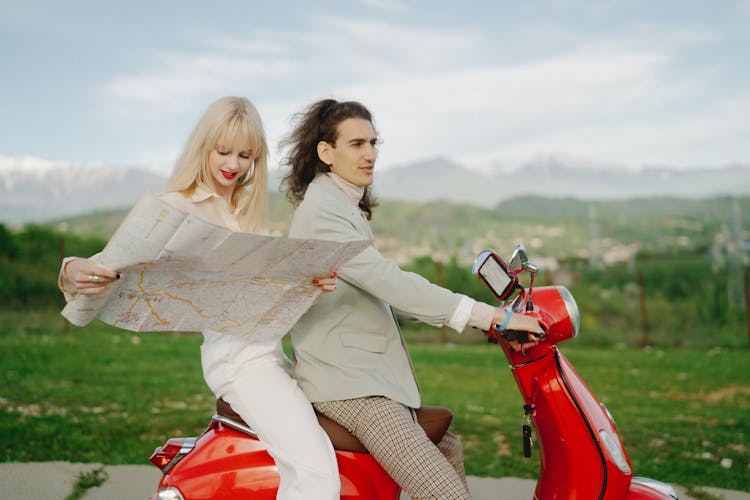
point(682, 254)
point(557, 228)
point(34, 190)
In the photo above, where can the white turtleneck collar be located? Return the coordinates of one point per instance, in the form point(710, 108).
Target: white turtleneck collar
point(354, 192)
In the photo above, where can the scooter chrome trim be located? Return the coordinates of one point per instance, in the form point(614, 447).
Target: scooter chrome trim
point(659, 486)
point(234, 425)
point(169, 493)
point(187, 446)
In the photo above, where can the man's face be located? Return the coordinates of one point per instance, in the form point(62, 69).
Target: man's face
point(353, 156)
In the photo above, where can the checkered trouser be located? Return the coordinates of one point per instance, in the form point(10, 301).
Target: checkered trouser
point(389, 430)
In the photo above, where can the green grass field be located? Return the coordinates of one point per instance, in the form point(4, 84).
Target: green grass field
point(98, 394)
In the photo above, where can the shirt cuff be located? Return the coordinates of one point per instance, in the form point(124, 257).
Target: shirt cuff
point(482, 316)
point(462, 314)
point(65, 286)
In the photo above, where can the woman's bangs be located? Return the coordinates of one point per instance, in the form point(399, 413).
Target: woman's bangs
point(239, 136)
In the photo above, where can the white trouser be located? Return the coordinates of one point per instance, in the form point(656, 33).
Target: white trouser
point(255, 381)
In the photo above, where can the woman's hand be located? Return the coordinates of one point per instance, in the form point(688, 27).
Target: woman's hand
point(326, 284)
point(88, 277)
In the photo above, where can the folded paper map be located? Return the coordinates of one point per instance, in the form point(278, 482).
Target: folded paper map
point(181, 273)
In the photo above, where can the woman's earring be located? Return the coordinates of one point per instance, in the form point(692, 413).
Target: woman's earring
point(248, 175)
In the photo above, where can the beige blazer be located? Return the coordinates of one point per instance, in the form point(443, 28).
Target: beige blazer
point(348, 344)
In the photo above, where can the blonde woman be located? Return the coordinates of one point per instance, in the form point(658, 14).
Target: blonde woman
point(221, 177)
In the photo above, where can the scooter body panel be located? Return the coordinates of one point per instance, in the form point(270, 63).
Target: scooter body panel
point(229, 464)
point(363, 477)
point(568, 420)
point(225, 464)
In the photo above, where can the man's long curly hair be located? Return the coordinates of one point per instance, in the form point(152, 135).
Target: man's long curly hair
point(318, 123)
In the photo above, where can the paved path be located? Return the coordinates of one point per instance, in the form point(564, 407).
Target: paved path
point(55, 481)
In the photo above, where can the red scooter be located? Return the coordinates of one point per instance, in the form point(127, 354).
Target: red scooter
point(582, 454)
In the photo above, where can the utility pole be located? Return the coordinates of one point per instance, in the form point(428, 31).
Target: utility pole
point(61, 252)
point(736, 290)
point(644, 312)
point(595, 251)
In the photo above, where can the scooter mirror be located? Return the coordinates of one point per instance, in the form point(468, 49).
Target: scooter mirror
point(493, 272)
point(518, 258)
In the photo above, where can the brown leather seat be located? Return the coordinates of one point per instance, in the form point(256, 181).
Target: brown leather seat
point(435, 421)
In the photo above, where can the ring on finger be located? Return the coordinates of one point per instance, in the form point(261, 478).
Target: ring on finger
point(94, 278)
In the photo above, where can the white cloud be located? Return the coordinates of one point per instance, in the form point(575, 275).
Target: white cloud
point(29, 164)
point(172, 85)
point(374, 49)
point(433, 93)
point(691, 140)
point(256, 47)
point(462, 112)
point(387, 5)
point(175, 82)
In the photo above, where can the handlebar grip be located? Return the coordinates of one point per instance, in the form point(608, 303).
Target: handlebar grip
point(519, 336)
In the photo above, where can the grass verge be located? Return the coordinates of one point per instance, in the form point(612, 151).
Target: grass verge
point(98, 394)
point(86, 481)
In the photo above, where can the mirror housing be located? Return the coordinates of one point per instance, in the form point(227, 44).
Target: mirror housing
point(494, 273)
point(518, 259)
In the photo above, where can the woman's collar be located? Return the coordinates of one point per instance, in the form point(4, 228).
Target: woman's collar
point(202, 194)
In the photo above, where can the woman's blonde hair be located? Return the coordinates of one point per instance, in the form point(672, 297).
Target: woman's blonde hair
point(229, 121)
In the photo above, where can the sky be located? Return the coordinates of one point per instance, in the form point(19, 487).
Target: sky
point(490, 84)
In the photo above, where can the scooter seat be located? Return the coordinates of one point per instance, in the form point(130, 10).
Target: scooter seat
point(435, 421)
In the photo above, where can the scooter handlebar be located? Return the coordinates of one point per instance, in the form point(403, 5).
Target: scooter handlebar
point(520, 336)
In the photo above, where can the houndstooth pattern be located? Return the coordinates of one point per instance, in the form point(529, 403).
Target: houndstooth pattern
point(389, 430)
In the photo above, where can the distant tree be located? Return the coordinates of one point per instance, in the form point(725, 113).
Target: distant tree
point(8, 247)
point(30, 262)
point(37, 243)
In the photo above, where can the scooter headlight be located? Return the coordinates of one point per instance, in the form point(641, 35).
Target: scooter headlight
point(572, 306)
point(615, 451)
point(558, 311)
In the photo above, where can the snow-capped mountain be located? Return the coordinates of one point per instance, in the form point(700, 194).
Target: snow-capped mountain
point(32, 189)
point(441, 178)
